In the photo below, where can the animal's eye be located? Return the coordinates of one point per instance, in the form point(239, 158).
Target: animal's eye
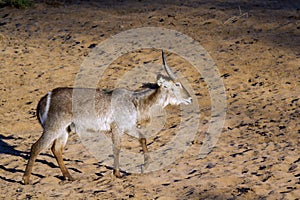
point(165, 86)
point(177, 84)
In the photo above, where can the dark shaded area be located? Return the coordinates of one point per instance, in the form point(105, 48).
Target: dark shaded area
point(269, 4)
point(150, 85)
point(6, 148)
point(275, 37)
point(16, 3)
point(263, 4)
point(289, 38)
point(124, 173)
point(12, 170)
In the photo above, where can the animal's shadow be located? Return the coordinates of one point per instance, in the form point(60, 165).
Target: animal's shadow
point(6, 148)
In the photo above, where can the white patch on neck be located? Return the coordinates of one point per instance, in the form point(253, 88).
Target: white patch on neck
point(44, 116)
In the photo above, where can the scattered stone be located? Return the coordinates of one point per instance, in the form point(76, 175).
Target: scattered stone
point(5, 15)
point(293, 167)
point(192, 172)
point(173, 126)
point(225, 75)
point(29, 102)
point(282, 127)
point(210, 165)
point(243, 190)
point(92, 46)
point(99, 191)
point(28, 196)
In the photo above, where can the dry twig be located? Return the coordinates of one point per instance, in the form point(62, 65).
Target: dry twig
point(233, 19)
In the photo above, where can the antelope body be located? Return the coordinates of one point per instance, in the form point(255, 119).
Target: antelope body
point(119, 111)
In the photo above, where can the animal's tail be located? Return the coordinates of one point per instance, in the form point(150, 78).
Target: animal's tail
point(43, 108)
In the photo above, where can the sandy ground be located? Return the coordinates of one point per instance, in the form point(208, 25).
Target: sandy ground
point(258, 57)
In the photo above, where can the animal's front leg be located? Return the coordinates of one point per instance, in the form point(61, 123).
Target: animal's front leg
point(116, 139)
point(145, 149)
point(142, 139)
point(147, 158)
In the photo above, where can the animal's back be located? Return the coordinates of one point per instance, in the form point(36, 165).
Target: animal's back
point(67, 104)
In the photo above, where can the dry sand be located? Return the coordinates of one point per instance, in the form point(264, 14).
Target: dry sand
point(258, 56)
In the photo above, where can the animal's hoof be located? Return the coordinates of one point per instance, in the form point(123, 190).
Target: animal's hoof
point(67, 180)
point(70, 178)
point(25, 181)
point(117, 173)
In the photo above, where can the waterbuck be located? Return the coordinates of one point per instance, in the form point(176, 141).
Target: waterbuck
point(119, 111)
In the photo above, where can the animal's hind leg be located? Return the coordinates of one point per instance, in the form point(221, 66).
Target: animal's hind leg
point(57, 149)
point(43, 142)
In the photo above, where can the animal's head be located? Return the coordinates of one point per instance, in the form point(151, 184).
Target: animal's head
point(173, 91)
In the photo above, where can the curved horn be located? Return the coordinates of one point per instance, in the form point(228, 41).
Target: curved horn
point(168, 70)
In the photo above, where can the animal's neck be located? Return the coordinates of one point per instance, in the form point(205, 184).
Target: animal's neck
point(146, 99)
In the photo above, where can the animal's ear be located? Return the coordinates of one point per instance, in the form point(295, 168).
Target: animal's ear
point(160, 80)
